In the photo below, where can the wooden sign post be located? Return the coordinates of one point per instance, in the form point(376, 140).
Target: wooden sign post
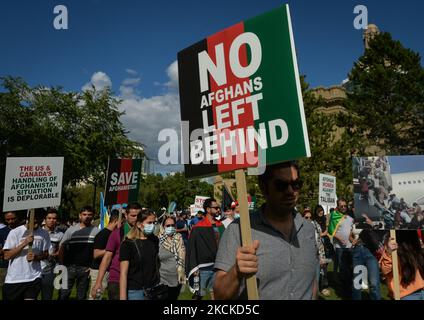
point(31, 227)
point(246, 232)
point(395, 266)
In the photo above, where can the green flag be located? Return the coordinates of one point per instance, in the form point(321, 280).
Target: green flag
point(335, 219)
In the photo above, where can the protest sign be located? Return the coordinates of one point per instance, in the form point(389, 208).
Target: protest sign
point(390, 191)
point(241, 97)
point(32, 183)
point(122, 181)
point(327, 190)
point(198, 203)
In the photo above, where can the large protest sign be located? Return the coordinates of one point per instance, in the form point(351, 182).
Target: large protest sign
point(122, 181)
point(32, 183)
point(390, 191)
point(327, 190)
point(241, 98)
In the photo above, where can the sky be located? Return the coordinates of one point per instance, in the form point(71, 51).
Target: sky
point(403, 164)
point(132, 45)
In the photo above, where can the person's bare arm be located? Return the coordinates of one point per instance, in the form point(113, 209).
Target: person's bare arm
point(123, 280)
point(227, 283)
point(106, 260)
point(98, 253)
point(12, 253)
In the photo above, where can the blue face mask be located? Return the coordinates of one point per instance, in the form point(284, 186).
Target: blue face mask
point(170, 231)
point(149, 228)
point(236, 216)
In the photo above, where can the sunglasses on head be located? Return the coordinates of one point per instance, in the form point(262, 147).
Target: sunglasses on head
point(282, 185)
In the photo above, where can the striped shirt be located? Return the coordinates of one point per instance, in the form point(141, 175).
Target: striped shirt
point(79, 245)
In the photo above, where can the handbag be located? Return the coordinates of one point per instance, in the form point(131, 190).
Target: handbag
point(159, 291)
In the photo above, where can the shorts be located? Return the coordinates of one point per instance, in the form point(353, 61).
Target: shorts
point(22, 291)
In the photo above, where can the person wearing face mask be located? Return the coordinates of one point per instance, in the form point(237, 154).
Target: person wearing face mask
point(172, 258)
point(139, 261)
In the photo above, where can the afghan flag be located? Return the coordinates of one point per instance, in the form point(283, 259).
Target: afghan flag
point(202, 247)
point(240, 93)
point(122, 181)
point(335, 219)
point(227, 199)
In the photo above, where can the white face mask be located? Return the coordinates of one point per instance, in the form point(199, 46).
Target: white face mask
point(149, 228)
point(170, 231)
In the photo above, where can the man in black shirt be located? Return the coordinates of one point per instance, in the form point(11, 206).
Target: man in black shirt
point(100, 242)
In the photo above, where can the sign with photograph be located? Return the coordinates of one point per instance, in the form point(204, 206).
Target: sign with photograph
point(389, 190)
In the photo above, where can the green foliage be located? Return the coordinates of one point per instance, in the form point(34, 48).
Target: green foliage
point(388, 97)
point(331, 150)
point(157, 191)
point(84, 128)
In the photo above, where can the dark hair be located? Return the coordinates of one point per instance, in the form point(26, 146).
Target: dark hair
point(133, 205)
point(87, 208)
point(52, 210)
point(340, 200)
point(144, 214)
point(168, 217)
point(207, 203)
point(267, 175)
point(315, 215)
point(411, 256)
point(114, 215)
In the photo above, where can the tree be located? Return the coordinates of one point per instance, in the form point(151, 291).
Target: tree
point(388, 97)
point(84, 128)
point(157, 191)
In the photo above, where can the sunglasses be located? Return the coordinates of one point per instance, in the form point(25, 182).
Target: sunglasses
point(308, 217)
point(216, 208)
point(169, 225)
point(282, 186)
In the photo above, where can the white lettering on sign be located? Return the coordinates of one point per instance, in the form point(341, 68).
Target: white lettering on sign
point(218, 70)
point(123, 178)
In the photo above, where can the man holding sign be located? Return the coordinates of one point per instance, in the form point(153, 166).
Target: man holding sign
point(241, 107)
point(283, 255)
point(23, 279)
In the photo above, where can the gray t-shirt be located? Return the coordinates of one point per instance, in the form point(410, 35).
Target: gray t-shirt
point(343, 232)
point(168, 268)
point(287, 269)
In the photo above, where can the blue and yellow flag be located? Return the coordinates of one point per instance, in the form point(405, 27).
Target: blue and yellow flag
point(104, 216)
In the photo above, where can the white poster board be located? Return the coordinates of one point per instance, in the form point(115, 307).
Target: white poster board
point(32, 183)
point(327, 190)
point(198, 203)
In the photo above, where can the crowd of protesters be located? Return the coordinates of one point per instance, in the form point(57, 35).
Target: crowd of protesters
point(142, 256)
